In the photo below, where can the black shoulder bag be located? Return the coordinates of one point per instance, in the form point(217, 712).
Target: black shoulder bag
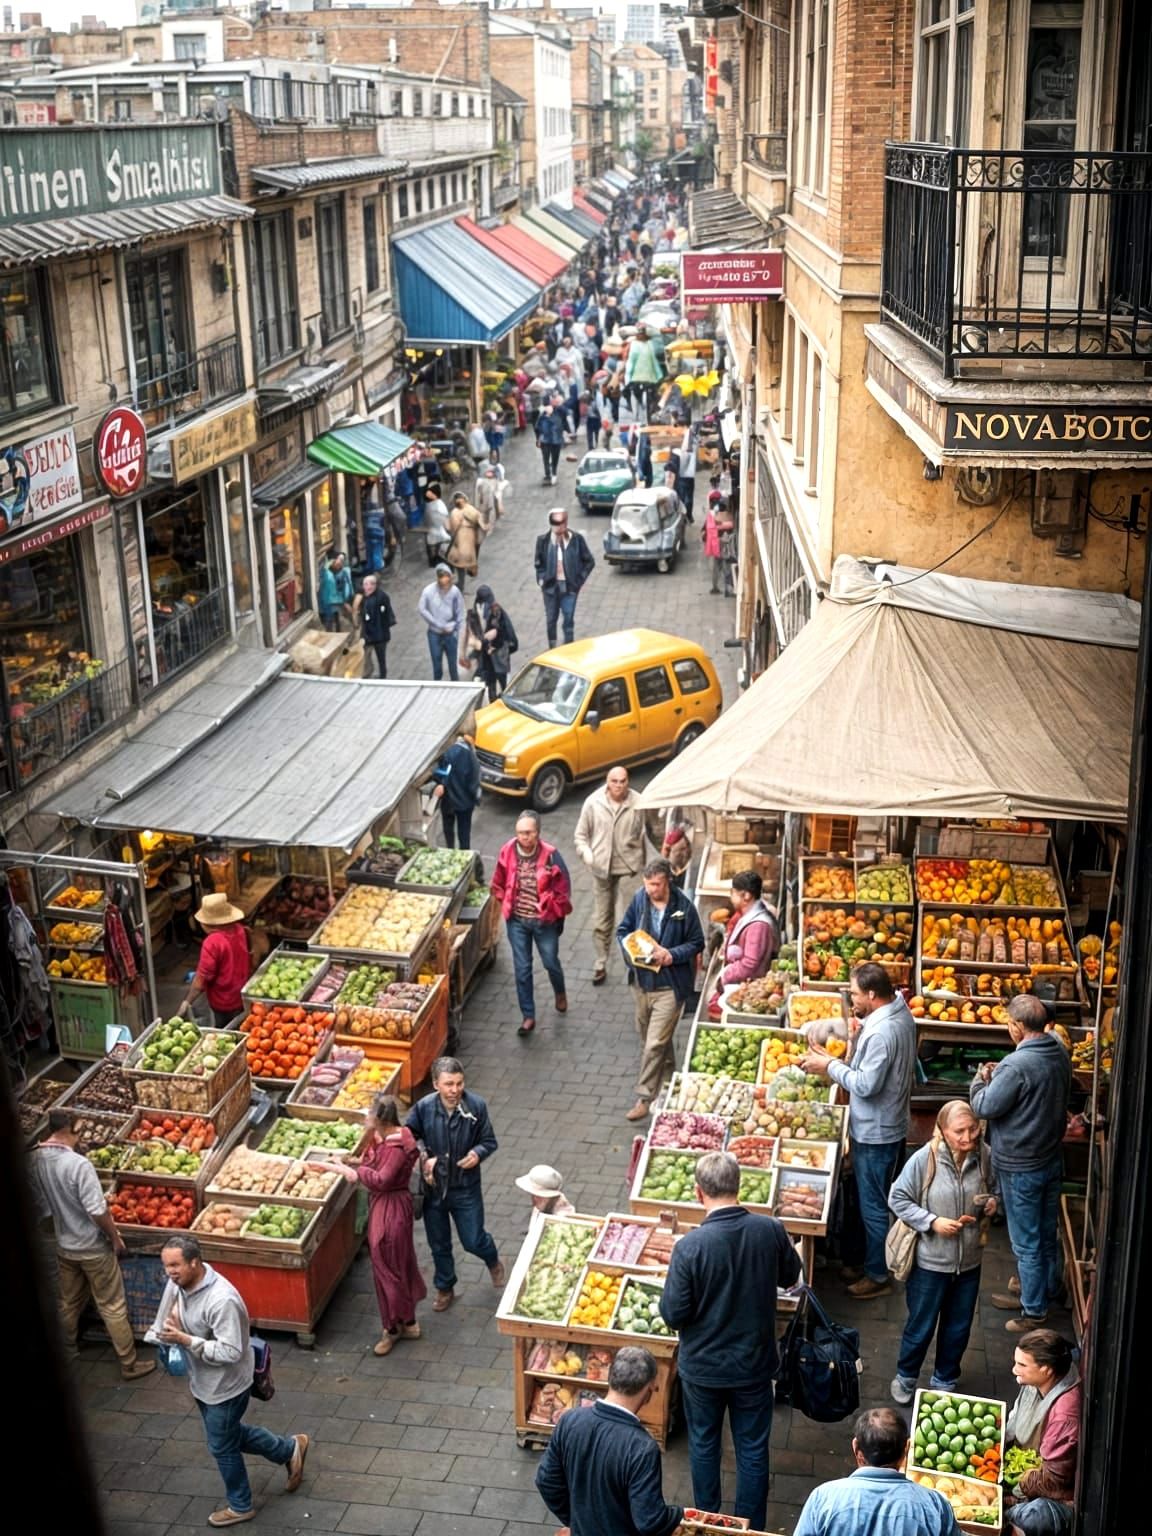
point(819, 1364)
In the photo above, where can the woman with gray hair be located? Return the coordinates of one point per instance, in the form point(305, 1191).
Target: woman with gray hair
point(946, 1193)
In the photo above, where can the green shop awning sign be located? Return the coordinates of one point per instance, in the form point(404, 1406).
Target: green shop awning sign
point(69, 171)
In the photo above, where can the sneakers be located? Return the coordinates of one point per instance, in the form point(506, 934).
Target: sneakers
point(1024, 1323)
point(499, 1278)
point(229, 1517)
point(867, 1288)
point(639, 1110)
point(296, 1465)
point(902, 1391)
point(137, 1369)
point(444, 1300)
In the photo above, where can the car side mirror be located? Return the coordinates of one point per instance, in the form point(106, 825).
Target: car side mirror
point(592, 719)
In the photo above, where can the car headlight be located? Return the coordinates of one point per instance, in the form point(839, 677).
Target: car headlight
point(511, 762)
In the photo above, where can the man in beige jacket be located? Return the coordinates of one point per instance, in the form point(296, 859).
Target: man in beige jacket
point(610, 840)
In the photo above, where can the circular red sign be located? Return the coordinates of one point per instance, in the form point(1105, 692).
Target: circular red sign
point(120, 452)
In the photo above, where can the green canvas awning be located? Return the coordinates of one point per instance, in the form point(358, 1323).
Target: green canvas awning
point(363, 448)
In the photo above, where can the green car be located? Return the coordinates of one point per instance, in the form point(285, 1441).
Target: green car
point(601, 476)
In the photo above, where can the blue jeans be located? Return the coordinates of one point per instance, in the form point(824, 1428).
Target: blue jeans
point(749, 1412)
point(457, 827)
point(442, 648)
point(464, 1206)
point(559, 605)
point(522, 934)
point(940, 1304)
point(230, 1439)
point(875, 1166)
point(1032, 1206)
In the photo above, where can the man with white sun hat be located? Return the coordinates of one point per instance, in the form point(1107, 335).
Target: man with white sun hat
point(546, 1186)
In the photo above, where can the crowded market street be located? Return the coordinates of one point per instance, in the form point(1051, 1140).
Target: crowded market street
point(421, 1443)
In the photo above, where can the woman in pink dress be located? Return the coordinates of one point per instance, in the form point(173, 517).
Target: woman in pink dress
point(388, 1155)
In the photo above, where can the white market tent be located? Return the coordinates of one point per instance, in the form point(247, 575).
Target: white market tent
point(914, 694)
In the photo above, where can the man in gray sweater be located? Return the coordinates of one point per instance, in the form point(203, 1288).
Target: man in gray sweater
point(205, 1315)
point(1025, 1101)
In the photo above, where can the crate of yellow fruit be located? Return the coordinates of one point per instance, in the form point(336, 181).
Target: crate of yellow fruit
point(596, 1302)
point(373, 1076)
point(782, 1048)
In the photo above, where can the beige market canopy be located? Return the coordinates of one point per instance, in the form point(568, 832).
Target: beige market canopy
point(911, 700)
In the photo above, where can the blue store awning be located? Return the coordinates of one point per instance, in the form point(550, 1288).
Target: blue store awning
point(454, 291)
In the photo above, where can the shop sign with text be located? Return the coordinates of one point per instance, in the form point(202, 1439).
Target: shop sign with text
point(1041, 428)
point(200, 448)
point(38, 479)
point(732, 277)
point(69, 171)
point(38, 538)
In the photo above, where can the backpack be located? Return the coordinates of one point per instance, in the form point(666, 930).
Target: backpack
point(820, 1364)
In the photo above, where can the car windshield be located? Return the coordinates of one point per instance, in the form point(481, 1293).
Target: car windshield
point(636, 517)
point(547, 693)
point(602, 464)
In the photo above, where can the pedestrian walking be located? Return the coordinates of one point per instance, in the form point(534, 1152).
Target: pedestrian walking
point(663, 924)
point(1025, 1102)
point(686, 483)
point(88, 1248)
point(550, 439)
point(494, 430)
point(720, 1294)
point(205, 1315)
point(879, 1080)
point(436, 535)
point(878, 1499)
point(532, 885)
point(717, 531)
point(563, 565)
point(593, 419)
point(643, 372)
point(442, 609)
point(610, 839)
point(384, 1168)
point(477, 441)
point(457, 776)
point(334, 598)
point(454, 1133)
point(489, 642)
point(373, 608)
point(486, 497)
point(602, 1472)
point(946, 1193)
point(467, 528)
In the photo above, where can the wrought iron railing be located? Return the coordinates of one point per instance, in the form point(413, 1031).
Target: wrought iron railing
point(191, 381)
point(42, 735)
point(282, 99)
point(183, 638)
point(1019, 254)
point(769, 151)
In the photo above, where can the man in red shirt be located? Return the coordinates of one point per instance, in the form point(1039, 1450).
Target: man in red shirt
point(224, 961)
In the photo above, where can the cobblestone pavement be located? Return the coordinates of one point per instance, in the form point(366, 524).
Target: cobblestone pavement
point(422, 1442)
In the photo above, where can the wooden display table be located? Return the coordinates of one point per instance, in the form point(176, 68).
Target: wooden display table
point(288, 1292)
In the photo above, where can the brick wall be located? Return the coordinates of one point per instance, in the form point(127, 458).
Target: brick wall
point(429, 39)
point(256, 144)
point(514, 63)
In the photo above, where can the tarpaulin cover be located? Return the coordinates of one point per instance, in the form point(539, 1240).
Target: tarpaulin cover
point(361, 448)
point(879, 708)
point(306, 762)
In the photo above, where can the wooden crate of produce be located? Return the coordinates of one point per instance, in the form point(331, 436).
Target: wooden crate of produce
point(361, 906)
point(416, 1055)
point(968, 842)
point(803, 1200)
point(260, 988)
point(390, 1071)
point(187, 1090)
point(307, 1038)
point(928, 1407)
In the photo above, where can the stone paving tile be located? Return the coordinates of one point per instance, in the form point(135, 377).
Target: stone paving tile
point(421, 1443)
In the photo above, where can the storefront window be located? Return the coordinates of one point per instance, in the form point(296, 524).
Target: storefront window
point(185, 575)
point(285, 526)
point(322, 523)
point(25, 346)
point(239, 548)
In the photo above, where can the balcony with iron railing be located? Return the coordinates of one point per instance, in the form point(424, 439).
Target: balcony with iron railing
point(181, 384)
point(994, 260)
point(41, 736)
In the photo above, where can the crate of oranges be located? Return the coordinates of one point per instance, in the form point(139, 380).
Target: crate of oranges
point(597, 1300)
point(284, 1041)
point(781, 1048)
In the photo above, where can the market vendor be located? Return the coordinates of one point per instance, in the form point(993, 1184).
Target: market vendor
point(1046, 1414)
point(225, 965)
point(751, 938)
point(546, 1186)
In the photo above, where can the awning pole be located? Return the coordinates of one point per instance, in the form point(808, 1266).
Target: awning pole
point(328, 869)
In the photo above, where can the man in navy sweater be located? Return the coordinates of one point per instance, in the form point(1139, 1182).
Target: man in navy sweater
point(721, 1295)
point(601, 1473)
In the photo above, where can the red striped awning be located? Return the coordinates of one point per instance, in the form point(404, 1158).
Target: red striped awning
point(527, 256)
point(586, 205)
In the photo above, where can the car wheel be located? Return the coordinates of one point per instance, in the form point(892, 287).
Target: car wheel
point(687, 736)
point(548, 787)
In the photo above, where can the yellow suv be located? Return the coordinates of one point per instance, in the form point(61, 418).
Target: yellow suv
point(576, 710)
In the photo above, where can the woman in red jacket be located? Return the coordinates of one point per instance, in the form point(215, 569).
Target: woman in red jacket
point(532, 885)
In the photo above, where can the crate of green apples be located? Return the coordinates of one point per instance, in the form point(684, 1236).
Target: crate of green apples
point(638, 1311)
point(436, 870)
point(956, 1433)
point(285, 977)
point(734, 1052)
point(279, 1224)
point(292, 1138)
point(554, 1272)
point(164, 1163)
point(668, 1178)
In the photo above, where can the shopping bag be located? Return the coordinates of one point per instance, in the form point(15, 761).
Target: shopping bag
point(171, 1359)
point(263, 1387)
point(900, 1250)
point(820, 1364)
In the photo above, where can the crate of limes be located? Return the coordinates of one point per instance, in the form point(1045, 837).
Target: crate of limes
point(956, 1433)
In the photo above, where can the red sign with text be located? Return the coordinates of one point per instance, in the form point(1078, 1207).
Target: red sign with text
point(732, 277)
point(120, 452)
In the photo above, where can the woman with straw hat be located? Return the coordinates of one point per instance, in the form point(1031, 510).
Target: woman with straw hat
point(546, 1186)
point(224, 965)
